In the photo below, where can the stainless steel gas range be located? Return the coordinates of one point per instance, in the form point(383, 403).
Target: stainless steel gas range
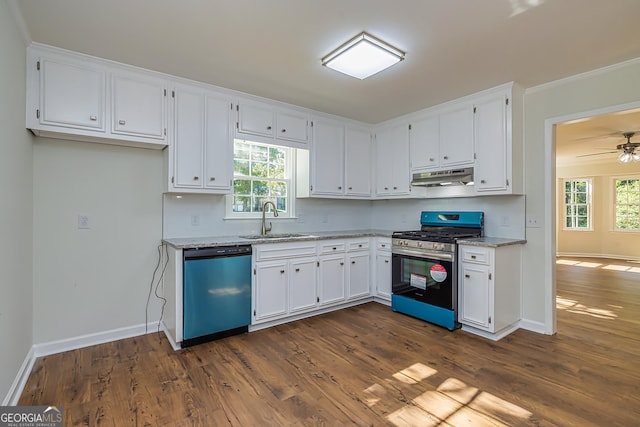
point(424, 265)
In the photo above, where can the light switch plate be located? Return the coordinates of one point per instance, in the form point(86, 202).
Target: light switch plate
point(84, 222)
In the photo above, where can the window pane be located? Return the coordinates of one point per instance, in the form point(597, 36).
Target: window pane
point(241, 167)
point(582, 222)
point(242, 187)
point(581, 186)
point(241, 150)
point(581, 198)
point(241, 204)
point(278, 188)
point(260, 188)
point(582, 210)
point(259, 169)
point(281, 203)
point(260, 153)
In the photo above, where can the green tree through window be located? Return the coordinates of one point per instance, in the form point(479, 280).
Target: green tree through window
point(627, 204)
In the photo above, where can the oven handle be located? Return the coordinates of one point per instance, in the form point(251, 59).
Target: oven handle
point(422, 254)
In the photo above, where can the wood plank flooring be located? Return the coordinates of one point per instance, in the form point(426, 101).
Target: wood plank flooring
point(369, 366)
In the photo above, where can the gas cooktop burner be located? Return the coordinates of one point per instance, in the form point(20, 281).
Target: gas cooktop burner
point(444, 235)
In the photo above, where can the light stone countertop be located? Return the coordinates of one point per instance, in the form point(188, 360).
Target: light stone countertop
point(213, 241)
point(491, 242)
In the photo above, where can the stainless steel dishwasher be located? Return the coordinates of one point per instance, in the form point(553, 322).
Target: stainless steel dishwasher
point(216, 293)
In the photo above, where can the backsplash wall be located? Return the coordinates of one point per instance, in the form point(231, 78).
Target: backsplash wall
point(203, 215)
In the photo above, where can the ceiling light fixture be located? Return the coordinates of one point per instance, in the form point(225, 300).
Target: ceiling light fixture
point(628, 149)
point(363, 56)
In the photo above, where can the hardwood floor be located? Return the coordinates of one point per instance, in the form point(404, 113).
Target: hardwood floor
point(369, 366)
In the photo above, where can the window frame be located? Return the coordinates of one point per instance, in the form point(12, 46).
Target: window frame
point(614, 204)
point(589, 204)
point(290, 168)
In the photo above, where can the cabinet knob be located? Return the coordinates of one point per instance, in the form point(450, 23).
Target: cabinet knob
point(281, 271)
point(360, 245)
point(350, 188)
point(334, 248)
point(195, 178)
point(383, 245)
point(473, 257)
point(93, 118)
point(395, 188)
point(122, 122)
point(386, 261)
point(446, 157)
point(386, 188)
point(353, 262)
point(268, 127)
point(342, 263)
point(213, 178)
point(431, 159)
point(340, 188)
point(297, 270)
point(466, 276)
point(283, 130)
point(482, 181)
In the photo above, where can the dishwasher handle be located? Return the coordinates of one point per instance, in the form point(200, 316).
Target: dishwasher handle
point(216, 252)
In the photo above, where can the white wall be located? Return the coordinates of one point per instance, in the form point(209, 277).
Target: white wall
point(16, 310)
point(586, 94)
point(94, 280)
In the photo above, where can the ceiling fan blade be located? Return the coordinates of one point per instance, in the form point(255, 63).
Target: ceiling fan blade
point(597, 154)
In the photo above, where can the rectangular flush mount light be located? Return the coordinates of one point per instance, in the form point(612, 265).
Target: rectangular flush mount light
point(363, 56)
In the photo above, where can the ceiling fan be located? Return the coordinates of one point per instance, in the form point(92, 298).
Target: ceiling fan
point(627, 150)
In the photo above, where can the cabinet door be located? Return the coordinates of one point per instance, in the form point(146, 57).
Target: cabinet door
point(490, 127)
point(475, 296)
point(357, 166)
point(270, 290)
point(359, 268)
point(383, 275)
point(72, 95)
point(256, 119)
point(188, 139)
point(218, 149)
point(328, 160)
point(424, 143)
point(456, 136)
point(139, 107)
point(392, 160)
point(332, 279)
point(303, 294)
point(292, 127)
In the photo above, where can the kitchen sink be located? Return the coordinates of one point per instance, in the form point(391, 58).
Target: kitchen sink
point(275, 236)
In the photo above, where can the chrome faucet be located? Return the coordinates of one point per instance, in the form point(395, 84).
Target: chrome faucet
point(266, 229)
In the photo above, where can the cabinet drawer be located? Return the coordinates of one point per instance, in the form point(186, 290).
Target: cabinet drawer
point(284, 250)
point(359, 245)
point(474, 254)
point(383, 244)
point(332, 247)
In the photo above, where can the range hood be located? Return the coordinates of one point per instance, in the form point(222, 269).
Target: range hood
point(463, 176)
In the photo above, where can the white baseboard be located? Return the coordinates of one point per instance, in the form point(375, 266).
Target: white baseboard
point(59, 346)
point(606, 256)
point(533, 326)
point(12, 397)
point(87, 340)
point(165, 329)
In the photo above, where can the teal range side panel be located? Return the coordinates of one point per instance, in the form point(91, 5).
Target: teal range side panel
point(216, 295)
point(430, 313)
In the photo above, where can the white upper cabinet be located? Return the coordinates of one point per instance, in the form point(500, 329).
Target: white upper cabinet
point(74, 96)
point(358, 161)
point(456, 135)
point(200, 158)
point(498, 140)
point(327, 158)
point(263, 122)
point(392, 160)
point(139, 106)
point(424, 143)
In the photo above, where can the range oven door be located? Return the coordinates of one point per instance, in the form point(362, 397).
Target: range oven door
point(429, 278)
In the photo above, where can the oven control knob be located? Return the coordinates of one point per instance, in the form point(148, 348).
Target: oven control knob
point(419, 244)
point(438, 246)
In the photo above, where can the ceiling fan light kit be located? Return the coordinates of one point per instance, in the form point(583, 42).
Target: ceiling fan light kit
point(628, 149)
point(363, 56)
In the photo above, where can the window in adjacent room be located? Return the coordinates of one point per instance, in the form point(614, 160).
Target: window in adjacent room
point(577, 204)
point(261, 172)
point(627, 204)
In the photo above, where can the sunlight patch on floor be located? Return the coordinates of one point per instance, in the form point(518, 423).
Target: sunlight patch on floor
point(610, 267)
point(573, 306)
point(452, 403)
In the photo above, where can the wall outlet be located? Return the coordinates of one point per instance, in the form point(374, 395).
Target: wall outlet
point(84, 222)
point(533, 221)
point(195, 220)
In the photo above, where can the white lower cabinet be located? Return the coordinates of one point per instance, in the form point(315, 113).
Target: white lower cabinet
point(489, 289)
point(300, 278)
point(303, 274)
point(383, 268)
